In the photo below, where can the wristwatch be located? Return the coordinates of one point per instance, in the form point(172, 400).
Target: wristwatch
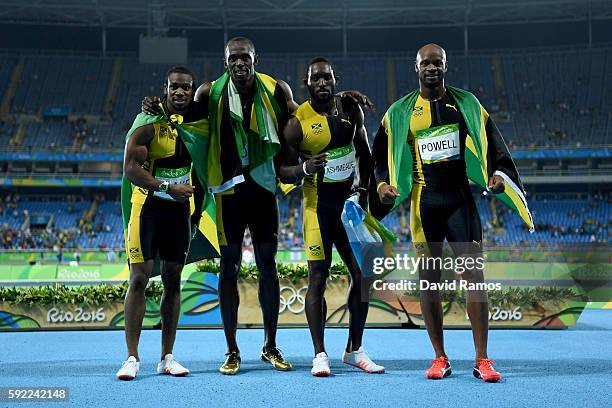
point(163, 187)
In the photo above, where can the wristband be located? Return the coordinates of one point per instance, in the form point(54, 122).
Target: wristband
point(304, 169)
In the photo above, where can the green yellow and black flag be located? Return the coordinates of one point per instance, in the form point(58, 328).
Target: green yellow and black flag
point(195, 136)
point(486, 153)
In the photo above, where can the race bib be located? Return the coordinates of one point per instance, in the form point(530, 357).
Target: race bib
point(172, 176)
point(340, 164)
point(440, 143)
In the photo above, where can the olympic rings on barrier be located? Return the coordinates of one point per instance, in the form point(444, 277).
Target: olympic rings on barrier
point(293, 296)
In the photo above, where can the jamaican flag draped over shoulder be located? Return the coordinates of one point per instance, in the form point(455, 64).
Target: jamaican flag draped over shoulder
point(195, 136)
point(254, 147)
point(486, 153)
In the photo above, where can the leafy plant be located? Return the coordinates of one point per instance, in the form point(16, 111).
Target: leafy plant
point(81, 295)
point(292, 272)
point(512, 296)
point(103, 293)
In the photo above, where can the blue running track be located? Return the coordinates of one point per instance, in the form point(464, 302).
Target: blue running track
point(541, 368)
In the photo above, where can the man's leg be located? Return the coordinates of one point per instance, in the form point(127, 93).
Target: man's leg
point(170, 311)
point(431, 304)
point(231, 258)
point(262, 218)
point(478, 312)
point(170, 304)
point(358, 299)
point(316, 308)
point(230, 227)
point(427, 225)
point(464, 234)
point(135, 304)
point(318, 242)
point(358, 304)
point(269, 289)
point(140, 248)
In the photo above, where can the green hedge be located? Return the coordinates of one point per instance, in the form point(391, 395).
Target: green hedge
point(292, 272)
point(513, 296)
point(105, 293)
point(81, 295)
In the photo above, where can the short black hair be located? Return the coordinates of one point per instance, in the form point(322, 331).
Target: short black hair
point(179, 69)
point(241, 39)
point(317, 60)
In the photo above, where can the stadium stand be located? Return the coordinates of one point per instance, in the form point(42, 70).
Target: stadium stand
point(540, 100)
point(558, 221)
point(550, 99)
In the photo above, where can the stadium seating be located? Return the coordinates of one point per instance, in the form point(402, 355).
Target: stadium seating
point(106, 228)
point(550, 98)
point(584, 221)
point(79, 82)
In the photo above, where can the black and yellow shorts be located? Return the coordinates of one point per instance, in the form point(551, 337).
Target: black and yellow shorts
point(322, 225)
point(158, 227)
point(436, 215)
point(247, 204)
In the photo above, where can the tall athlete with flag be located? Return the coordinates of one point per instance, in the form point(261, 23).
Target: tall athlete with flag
point(429, 144)
point(247, 112)
point(165, 158)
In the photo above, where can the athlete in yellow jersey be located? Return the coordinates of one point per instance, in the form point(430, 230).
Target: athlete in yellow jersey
point(328, 134)
point(442, 205)
point(158, 164)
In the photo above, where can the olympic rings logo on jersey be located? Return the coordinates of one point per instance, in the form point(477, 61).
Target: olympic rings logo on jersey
point(293, 296)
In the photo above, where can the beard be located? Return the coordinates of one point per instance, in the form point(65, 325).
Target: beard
point(322, 99)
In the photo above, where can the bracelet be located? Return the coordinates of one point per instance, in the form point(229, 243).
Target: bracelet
point(304, 169)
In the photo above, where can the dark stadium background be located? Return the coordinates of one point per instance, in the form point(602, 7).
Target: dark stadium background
point(71, 83)
point(72, 77)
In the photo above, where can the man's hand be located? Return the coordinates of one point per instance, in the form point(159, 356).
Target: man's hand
point(358, 98)
point(496, 184)
point(316, 163)
point(362, 197)
point(387, 193)
point(180, 192)
point(150, 105)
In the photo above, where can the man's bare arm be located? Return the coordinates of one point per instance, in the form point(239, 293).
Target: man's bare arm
point(290, 170)
point(291, 104)
point(362, 150)
point(135, 155)
point(203, 92)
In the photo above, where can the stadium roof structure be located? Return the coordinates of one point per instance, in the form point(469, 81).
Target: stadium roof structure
point(159, 16)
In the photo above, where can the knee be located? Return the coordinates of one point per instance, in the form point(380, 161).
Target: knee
point(268, 274)
point(229, 273)
point(229, 266)
point(429, 295)
point(316, 286)
point(477, 296)
point(172, 281)
point(138, 281)
point(265, 259)
point(473, 276)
